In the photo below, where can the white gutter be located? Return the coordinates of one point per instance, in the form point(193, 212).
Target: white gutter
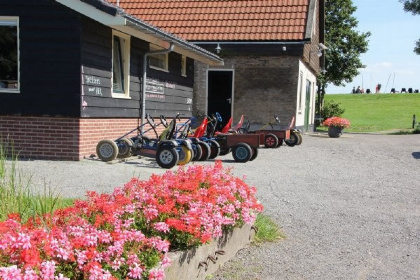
point(143, 91)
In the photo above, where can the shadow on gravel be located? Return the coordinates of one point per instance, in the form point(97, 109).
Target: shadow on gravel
point(416, 155)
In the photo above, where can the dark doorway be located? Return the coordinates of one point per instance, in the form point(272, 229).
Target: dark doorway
point(219, 97)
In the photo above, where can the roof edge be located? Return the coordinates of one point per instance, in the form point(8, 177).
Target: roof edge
point(311, 17)
point(116, 18)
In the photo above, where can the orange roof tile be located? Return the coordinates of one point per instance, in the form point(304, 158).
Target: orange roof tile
point(227, 20)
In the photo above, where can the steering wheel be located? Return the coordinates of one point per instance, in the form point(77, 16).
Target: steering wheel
point(219, 117)
point(277, 118)
point(163, 121)
point(177, 116)
point(150, 119)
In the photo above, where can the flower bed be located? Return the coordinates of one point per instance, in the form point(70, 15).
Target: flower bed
point(128, 234)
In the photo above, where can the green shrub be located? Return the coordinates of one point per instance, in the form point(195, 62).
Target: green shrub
point(332, 109)
point(417, 129)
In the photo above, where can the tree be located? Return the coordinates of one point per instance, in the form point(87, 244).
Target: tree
point(413, 6)
point(345, 45)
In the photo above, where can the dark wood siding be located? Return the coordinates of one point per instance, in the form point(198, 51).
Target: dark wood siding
point(49, 59)
point(178, 89)
point(66, 64)
point(168, 93)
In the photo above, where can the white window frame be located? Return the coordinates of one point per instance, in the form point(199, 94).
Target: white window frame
point(300, 92)
point(161, 57)
point(13, 21)
point(184, 66)
point(125, 53)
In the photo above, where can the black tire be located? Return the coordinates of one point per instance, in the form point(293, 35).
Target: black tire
point(271, 141)
point(224, 151)
point(185, 155)
point(214, 149)
point(281, 141)
point(125, 148)
point(300, 136)
point(198, 152)
point(205, 148)
point(254, 154)
point(167, 157)
point(242, 152)
point(293, 139)
point(107, 150)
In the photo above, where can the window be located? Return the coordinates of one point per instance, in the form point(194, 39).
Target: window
point(120, 64)
point(158, 61)
point(184, 66)
point(9, 54)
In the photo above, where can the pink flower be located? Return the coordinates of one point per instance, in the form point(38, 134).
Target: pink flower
point(135, 272)
point(10, 273)
point(161, 226)
point(166, 261)
point(48, 270)
point(157, 274)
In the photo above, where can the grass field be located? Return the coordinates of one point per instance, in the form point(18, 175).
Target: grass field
point(378, 112)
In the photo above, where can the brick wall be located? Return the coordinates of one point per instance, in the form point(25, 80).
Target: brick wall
point(41, 137)
point(264, 86)
point(62, 138)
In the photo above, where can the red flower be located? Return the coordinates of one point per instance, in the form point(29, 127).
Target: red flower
point(337, 122)
point(30, 257)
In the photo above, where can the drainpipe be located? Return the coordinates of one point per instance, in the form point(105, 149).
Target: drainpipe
point(143, 92)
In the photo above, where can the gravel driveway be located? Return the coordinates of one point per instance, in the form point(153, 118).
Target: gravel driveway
point(349, 207)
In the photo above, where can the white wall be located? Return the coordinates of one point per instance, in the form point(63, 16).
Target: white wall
point(305, 75)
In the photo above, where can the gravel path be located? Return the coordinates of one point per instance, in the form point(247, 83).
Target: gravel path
point(349, 207)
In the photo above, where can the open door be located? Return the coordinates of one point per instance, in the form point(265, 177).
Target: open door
point(219, 94)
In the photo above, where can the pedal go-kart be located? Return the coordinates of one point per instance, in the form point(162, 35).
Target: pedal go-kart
point(272, 137)
point(201, 150)
point(167, 152)
point(205, 132)
point(296, 137)
point(244, 147)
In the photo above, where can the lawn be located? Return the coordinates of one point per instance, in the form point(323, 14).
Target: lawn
point(378, 112)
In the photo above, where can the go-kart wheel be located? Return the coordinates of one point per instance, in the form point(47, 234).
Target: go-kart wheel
point(167, 157)
point(107, 150)
point(214, 149)
point(300, 138)
point(185, 155)
point(125, 148)
point(293, 140)
point(271, 141)
point(205, 148)
point(224, 151)
point(281, 141)
point(242, 152)
point(198, 152)
point(254, 154)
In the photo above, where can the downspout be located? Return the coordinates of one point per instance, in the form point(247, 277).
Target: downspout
point(143, 91)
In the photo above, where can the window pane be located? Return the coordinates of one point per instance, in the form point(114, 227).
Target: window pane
point(8, 55)
point(118, 69)
point(158, 61)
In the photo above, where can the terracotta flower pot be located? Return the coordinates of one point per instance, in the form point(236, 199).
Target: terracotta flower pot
point(335, 131)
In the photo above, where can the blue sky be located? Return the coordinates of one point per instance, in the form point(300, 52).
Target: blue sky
point(390, 59)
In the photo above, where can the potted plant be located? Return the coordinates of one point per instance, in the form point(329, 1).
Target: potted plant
point(336, 126)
